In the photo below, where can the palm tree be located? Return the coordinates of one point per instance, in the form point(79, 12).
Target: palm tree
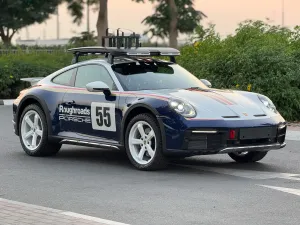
point(76, 8)
point(173, 31)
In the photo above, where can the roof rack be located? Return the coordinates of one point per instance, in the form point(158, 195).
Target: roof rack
point(119, 46)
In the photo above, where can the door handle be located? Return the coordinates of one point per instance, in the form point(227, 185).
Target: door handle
point(70, 103)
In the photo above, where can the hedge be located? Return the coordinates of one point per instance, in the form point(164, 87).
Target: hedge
point(259, 58)
point(22, 65)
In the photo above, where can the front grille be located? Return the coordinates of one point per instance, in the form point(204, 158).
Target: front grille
point(194, 141)
point(258, 133)
point(197, 141)
point(212, 142)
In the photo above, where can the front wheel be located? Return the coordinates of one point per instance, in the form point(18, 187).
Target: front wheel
point(143, 143)
point(34, 133)
point(247, 157)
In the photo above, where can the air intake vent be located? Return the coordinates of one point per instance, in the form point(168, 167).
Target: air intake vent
point(260, 115)
point(230, 117)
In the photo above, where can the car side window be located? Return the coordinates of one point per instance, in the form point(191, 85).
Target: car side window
point(64, 78)
point(90, 73)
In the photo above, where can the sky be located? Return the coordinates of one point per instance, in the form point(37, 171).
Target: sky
point(225, 14)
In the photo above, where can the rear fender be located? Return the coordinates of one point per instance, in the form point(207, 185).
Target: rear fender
point(41, 102)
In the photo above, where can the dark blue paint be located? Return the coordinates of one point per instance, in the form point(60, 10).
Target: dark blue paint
point(174, 129)
point(172, 124)
point(85, 129)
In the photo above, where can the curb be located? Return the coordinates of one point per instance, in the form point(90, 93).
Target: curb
point(6, 101)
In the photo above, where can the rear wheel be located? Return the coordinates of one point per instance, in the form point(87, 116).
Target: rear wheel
point(247, 157)
point(144, 143)
point(34, 133)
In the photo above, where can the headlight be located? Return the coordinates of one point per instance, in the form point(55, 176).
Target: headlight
point(267, 102)
point(183, 108)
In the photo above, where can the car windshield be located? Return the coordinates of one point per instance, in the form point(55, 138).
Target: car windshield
point(154, 76)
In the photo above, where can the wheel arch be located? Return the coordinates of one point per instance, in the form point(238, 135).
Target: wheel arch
point(138, 109)
point(29, 100)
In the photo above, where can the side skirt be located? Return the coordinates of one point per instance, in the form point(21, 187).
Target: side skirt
point(89, 144)
point(86, 143)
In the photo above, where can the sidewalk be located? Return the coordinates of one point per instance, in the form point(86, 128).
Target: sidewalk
point(17, 213)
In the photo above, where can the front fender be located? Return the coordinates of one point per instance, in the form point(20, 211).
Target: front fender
point(149, 105)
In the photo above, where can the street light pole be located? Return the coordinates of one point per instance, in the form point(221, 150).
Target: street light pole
point(88, 15)
point(57, 23)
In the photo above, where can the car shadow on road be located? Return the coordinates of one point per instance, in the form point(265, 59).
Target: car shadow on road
point(118, 158)
point(225, 163)
point(94, 155)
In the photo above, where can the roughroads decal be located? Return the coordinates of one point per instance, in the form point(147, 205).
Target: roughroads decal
point(73, 114)
point(103, 116)
point(100, 115)
point(72, 110)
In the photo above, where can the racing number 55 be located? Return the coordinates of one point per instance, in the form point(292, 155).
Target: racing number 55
point(103, 116)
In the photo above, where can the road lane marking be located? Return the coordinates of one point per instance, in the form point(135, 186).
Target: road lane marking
point(40, 211)
point(249, 174)
point(283, 189)
point(91, 218)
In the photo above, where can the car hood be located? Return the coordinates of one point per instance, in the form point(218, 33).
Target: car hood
point(214, 103)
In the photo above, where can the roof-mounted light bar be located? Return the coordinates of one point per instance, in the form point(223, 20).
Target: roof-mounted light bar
point(121, 45)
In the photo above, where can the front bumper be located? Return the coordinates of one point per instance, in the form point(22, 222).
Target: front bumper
point(217, 140)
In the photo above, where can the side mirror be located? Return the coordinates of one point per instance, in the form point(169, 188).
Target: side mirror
point(206, 83)
point(98, 86)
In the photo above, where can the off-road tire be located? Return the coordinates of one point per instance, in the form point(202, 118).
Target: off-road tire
point(46, 148)
point(159, 161)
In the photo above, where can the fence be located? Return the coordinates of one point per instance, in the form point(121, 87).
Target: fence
point(30, 51)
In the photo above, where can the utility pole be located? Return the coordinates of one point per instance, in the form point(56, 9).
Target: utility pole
point(57, 23)
point(45, 31)
point(88, 15)
point(282, 13)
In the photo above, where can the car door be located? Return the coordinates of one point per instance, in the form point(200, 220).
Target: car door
point(91, 115)
point(54, 95)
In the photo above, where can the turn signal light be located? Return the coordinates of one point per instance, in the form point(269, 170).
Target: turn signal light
point(232, 134)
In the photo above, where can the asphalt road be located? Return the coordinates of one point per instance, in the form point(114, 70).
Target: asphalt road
point(199, 190)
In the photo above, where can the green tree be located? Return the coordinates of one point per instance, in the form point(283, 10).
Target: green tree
point(85, 39)
point(18, 14)
point(172, 17)
point(76, 8)
point(201, 34)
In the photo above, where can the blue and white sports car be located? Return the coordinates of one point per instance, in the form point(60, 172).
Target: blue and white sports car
point(153, 109)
